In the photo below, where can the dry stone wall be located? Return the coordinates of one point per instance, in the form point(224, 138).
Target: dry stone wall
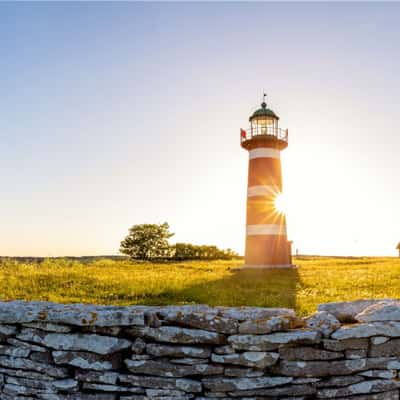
point(81, 352)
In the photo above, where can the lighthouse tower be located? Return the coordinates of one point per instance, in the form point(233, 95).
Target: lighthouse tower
point(266, 238)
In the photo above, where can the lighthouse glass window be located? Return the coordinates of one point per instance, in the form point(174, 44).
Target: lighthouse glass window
point(263, 126)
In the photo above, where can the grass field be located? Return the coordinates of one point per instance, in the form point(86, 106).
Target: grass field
point(316, 280)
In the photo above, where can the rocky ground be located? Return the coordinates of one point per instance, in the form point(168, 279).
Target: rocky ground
point(62, 352)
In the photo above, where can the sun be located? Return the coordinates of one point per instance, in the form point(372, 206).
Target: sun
point(280, 203)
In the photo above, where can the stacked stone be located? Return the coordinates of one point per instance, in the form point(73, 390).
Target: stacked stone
point(81, 352)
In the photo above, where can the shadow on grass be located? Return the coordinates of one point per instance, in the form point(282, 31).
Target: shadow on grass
point(245, 287)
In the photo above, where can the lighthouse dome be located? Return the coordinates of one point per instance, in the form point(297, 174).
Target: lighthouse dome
point(263, 112)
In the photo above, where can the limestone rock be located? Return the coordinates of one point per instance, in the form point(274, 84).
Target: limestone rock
point(187, 361)
point(253, 313)
point(14, 351)
point(347, 311)
point(389, 328)
point(97, 377)
point(273, 340)
point(379, 340)
point(227, 349)
point(7, 330)
point(242, 372)
point(77, 396)
point(26, 345)
point(155, 382)
point(110, 388)
point(308, 354)
point(365, 387)
point(269, 325)
point(387, 349)
point(330, 368)
point(138, 346)
point(355, 354)
point(164, 369)
point(172, 334)
point(335, 381)
point(391, 395)
point(26, 364)
point(48, 327)
point(85, 360)
point(231, 384)
point(247, 359)
point(323, 322)
point(279, 392)
point(382, 311)
point(209, 321)
point(378, 373)
point(85, 342)
point(152, 393)
point(26, 374)
point(346, 344)
point(71, 314)
point(162, 350)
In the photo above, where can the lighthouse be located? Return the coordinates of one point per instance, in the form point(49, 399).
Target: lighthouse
point(266, 237)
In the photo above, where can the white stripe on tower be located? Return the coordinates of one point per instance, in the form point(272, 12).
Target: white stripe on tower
point(263, 190)
point(271, 229)
point(264, 152)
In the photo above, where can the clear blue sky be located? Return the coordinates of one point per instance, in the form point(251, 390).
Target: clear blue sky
point(117, 114)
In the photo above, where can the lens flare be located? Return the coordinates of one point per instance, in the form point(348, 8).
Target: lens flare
point(280, 203)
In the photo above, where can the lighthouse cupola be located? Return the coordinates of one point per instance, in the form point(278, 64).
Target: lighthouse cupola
point(266, 238)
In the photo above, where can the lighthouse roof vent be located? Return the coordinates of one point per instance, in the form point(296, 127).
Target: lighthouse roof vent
point(263, 112)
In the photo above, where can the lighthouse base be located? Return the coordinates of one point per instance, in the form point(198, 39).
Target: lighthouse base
point(269, 266)
point(268, 251)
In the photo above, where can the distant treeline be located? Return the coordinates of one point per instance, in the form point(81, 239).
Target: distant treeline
point(82, 259)
point(187, 251)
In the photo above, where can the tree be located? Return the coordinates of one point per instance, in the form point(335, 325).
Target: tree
point(147, 241)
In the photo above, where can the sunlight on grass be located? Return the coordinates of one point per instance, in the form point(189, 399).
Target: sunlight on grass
point(316, 280)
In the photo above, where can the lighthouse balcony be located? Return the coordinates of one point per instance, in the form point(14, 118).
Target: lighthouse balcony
point(265, 136)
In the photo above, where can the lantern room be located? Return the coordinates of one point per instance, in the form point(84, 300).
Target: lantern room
point(263, 121)
point(264, 130)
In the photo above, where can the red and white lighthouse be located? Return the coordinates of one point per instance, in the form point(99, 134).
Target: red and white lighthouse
point(266, 238)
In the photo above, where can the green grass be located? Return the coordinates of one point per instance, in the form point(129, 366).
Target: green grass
point(316, 280)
